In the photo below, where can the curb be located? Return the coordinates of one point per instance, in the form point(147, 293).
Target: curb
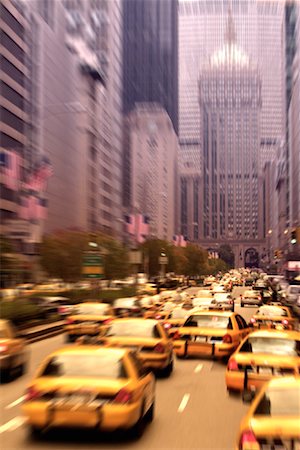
point(39, 333)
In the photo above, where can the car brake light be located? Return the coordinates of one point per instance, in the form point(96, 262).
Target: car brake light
point(285, 322)
point(3, 348)
point(107, 321)
point(32, 394)
point(227, 339)
point(62, 310)
point(167, 325)
point(159, 348)
point(252, 320)
point(123, 396)
point(158, 316)
point(232, 364)
point(70, 321)
point(248, 437)
point(176, 335)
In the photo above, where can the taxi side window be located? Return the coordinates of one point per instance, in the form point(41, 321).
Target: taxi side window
point(229, 326)
point(138, 365)
point(241, 322)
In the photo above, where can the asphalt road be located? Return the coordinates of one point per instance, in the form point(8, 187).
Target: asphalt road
point(193, 410)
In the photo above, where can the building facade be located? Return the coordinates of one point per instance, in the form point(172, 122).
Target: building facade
point(230, 105)
point(14, 103)
point(152, 178)
point(150, 60)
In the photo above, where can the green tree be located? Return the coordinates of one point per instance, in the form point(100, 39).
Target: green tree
point(9, 265)
point(196, 259)
point(152, 249)
point(227, 255)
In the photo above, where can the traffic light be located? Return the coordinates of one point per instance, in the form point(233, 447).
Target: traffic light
point(294, 236)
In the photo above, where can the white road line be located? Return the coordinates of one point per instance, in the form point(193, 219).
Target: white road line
point(13, 424)
point(183, 403)
point(198, 368)
point(15, 403)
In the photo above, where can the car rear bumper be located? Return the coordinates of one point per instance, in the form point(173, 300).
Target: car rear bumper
point(187, 348)
point(155, 362)
point(236, 380)
point(108, 417)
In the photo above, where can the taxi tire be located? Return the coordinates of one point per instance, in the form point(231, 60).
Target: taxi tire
point(166, 372)
point(35, 432)
point(242, 305)
point(149, 416)
point(22, 369)
point(137, 430)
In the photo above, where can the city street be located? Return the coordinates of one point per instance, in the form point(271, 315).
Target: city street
point(193, 409)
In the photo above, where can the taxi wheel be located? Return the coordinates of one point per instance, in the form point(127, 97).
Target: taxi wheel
point(166, 372)
point(22, 369)
point(35, 432)
point(150, 413)
point(5, 375)
point(242, 305)
point(233, 392)
point(137, 430)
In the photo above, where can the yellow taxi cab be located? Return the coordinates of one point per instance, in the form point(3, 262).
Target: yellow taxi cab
point(261, 356)
point(159, 312)
point(147, 337)
point(87, 320)
point(271, 316)
point(90, 387)
point(273, 418)
point(13, 351)
point(175, 319)
point(148, 288)
point(210, 333)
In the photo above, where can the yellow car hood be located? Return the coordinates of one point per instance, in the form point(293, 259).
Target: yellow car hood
point(66, 384)
point(128, 341)
point(267, 360)
point(196, 331)
point(89, 317)
point(280, 426)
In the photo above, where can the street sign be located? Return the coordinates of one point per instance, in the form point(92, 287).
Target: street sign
point(92, 265)
point(135, 257)
point(163, 260)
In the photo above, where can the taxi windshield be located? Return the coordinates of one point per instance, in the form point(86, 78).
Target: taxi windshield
point(272, 346)
point(279, 402)
point(271, 311)
point(143, 329)
point(91, 309)
point(208, 321)
point(79, 365)
point(178, 314)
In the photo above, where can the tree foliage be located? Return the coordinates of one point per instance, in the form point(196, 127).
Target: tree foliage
point(227, 255)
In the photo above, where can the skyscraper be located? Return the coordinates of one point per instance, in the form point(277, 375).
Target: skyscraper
point(230, 107)
point(152, 145)
point(150, 72)
point(259, 27)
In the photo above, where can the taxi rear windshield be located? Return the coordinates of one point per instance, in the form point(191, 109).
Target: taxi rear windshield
point(272, 346)
point(91, 309)
point(143, 329)
point(279, 402)
point(209, 321)
point(271, 311)
point(77, 365)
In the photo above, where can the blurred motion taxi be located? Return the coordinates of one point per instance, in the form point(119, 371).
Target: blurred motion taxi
point(261, 356)
point(90, 387)
point(13, 351)
point(87, 320)
point(273, 418)
point(145, 336)
point(206, 333)
point(271, 316)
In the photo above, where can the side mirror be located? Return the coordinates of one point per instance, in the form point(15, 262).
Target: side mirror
point(248, 396)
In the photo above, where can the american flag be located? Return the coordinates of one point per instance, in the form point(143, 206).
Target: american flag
point(38, 180)
point(10, 167)
point(142, 227)
point(130, 224)
point(179, 240)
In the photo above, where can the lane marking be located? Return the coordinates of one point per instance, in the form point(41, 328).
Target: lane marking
point(16, 402)
point(198, 368)
point(13, 424)
point(183, 403)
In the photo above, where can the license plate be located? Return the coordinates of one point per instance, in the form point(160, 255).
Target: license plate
point(200, 339)
point(265, 371)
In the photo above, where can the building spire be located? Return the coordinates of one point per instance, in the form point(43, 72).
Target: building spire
point(230, 35)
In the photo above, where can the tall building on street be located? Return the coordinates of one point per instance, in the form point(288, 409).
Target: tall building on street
point(14, 101)
point(150, 59)
point(230, 107)
point(294, 136)
point(151, 175)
